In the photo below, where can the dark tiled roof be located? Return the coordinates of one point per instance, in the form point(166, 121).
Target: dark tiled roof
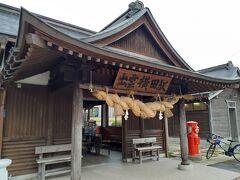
point(35, 21)
point(123, 22)
point(115, 28)
point(227, 70)
point(9, 18)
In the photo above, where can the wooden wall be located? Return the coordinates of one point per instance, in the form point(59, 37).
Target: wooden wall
point(136, 127)
point(26, 123)
point(140, 41)
point(202, 117)
point(24, 126)
point(62, 120)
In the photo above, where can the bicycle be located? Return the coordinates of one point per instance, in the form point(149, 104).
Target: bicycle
point(215, 140)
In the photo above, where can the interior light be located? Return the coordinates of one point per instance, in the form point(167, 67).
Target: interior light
point(196, 104)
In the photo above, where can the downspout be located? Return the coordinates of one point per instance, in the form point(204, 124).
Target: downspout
point(210, 114)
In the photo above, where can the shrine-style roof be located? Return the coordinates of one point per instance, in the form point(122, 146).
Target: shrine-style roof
point(227, 70)
point(136, 16)
point(40, 45)
point(9, 18)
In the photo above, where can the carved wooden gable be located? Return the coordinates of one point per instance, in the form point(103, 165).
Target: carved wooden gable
point(140, 41)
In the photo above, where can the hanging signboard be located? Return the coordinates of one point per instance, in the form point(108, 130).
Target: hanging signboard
point(141, 82)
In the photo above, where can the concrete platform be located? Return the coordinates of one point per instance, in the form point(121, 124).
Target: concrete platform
point(165, 169)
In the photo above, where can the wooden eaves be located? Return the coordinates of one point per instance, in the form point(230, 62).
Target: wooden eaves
point(41, 35)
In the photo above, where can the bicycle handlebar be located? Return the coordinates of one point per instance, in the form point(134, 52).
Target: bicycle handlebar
point(216, 135)
point(214, 138)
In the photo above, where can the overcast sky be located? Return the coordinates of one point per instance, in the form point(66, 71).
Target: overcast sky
point(204, 32)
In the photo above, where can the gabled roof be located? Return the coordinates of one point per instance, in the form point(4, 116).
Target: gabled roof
point(39, 45)
point(9, 18)
point(227, 70)
point(128, 22)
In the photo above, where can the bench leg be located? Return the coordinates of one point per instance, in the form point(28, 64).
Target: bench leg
point(43, 172)
point(109, 148)
point(140, 157)
point(157, 154)
point(134, 155)
point(39, 171)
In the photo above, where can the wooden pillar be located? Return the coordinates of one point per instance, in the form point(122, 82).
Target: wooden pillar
point(104, 115)
point(183, 133)
point(50, 118)
point(166, 135)
point(77, 119)
point(141, 127)
point(2, 102)
point(124, 139)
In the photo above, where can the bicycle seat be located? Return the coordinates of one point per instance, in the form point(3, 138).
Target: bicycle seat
point(231, 140)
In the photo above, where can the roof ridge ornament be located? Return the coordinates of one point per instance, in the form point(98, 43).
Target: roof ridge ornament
point(229, 65)
point(135, 7)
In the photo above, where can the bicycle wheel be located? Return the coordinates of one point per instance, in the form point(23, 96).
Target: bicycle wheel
point(210, 151)
point(236, 152)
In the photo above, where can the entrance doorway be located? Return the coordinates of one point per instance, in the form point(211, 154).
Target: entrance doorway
point(233, 120)
point(102, 134)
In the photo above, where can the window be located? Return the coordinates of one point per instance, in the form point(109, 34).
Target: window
point(231, 104)
point(94, 115)
point(115, 121)
point(94, 112)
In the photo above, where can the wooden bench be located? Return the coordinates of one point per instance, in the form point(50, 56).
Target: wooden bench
point(43, 161)
point(144, 145)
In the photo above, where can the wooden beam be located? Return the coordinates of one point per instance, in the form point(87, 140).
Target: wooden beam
point(80, 55)
point(35, 40)
point(2, 102)
point(77, 120)
point(70, 52)
point(50, 44)
point(60, 48)
point(112, 90)
point(89, 58)
point(183, 133)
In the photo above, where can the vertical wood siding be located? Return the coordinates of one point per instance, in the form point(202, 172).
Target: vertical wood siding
point(62, 115)
point(26, 123)
point(150, 128)
point(202, 117)
point(140, 41)
point(26, 112)
point(24, 126)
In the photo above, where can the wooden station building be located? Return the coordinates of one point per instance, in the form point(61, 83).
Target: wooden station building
point(48, 72)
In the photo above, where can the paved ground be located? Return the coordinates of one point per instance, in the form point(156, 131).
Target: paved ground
point(231, 165)
point(104, 167)
point(218, 159)
point(165, 169)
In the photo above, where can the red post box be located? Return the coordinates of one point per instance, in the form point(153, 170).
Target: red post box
point(193, 139)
